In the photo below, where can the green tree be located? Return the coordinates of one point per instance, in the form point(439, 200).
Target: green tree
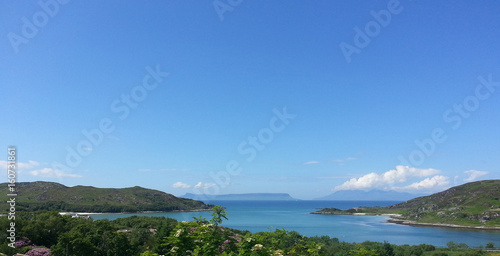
point(387, 249)
point(362, 251)
point(44, 227)
point(200, 237)
point(97, 238)
point(452, 245)
point(149, 253)
point(76, 242)
point(218, 213)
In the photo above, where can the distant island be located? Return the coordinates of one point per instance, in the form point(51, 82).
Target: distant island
point(247, 196)
point(41, 195)
point(472, 205)
point(372, 195)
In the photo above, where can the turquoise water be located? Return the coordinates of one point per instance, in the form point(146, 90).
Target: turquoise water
point(258, 216)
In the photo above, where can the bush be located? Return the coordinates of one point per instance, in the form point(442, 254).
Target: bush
point(39, 252)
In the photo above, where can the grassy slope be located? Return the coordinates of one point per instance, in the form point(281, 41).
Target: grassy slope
point(54, 196)
point(471, 204)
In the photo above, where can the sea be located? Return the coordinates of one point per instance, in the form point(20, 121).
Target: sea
point(256, 216)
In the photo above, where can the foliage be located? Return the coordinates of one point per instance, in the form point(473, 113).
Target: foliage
point(201, 237)
point(149, 253)
point(39, 252)
point(77, 236)
point(94, 239)
point(453, 245)
point(43, 228)
point(155, 236)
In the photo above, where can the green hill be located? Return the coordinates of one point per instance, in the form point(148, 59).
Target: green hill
point(475, 204)
point(41, 195)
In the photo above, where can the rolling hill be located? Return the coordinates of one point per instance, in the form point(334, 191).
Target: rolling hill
point(475, 204)
point(42, 195)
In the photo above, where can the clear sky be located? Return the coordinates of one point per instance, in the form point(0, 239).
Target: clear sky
point(231, 96)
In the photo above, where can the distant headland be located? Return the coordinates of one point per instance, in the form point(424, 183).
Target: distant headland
point(247, 196)
point(474, 205)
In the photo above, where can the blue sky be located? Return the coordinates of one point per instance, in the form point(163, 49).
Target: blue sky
point(225, 96)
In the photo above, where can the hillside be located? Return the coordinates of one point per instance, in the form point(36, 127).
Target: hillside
point(248, 196)
point(372, 195)
point(475, 204)
point(41, 195)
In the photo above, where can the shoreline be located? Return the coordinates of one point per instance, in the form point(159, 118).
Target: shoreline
point(396, 219)
point(438, 225)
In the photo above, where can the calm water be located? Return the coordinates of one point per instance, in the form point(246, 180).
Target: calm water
point(258, 216)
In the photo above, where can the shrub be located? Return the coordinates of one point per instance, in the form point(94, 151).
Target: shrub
point(39, 252)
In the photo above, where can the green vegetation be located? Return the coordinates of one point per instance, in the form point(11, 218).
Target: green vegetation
point(33, 196)
point(358, 211)
point(65, 235)
point(49, 233)
point(475, 204)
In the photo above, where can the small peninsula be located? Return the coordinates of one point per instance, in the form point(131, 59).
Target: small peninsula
point(52, 196)
point(474, 205)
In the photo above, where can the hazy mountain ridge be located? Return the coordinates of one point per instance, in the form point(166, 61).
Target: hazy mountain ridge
point(41, 195)
point(475, 204)
point(245, 196)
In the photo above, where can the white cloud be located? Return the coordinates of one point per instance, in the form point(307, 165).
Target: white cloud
point(164, 170)
point(174, 170)
point(344, 160)
point(311, 162)
point(20, 166)
point(474, 175)
point(113, 137)
point(436, 183)
point(181, 185)
point(333, 177)
point(52, 173)
point(31, 164)
point(385, 180)
point(204, 185)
